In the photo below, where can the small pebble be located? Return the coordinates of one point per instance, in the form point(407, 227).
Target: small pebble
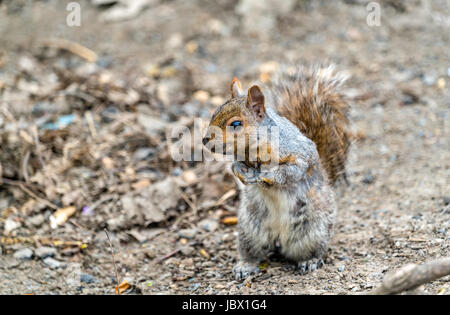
point(52, 263)
point(86, 278)
point(195, 286)
point(446, 200)
point(341, 268)
point(45, 251)
point(143, 153)
point(187, 233)
point(208, 225)
point(10, 225)
point(36, 220)
point(24, 254)
point(368, 178)
point(187, 251)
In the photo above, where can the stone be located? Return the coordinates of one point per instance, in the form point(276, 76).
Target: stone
point(23, 254)
point(52, 263)
point(209, 225)
point(87, 278)
point(187, 233)
point(36, 220)
point(45, 251)
point(10, 225)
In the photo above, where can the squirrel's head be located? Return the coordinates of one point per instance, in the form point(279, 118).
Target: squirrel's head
point(234, 124)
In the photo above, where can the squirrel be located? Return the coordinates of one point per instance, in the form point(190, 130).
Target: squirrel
point(287, 203)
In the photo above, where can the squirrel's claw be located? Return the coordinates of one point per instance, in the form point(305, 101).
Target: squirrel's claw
point(244, 269)
point(245, 174)
point(266, 178)
point(310, 265)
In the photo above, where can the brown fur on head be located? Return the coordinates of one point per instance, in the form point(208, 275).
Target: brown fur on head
point(234, 123)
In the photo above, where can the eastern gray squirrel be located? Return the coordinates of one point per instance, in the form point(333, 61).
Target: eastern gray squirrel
point(289, 205)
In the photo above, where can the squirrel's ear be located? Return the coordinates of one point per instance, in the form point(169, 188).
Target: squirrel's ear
point(236, 88)
point(255, 102)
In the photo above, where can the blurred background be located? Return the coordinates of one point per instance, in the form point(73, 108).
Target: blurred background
point(90, 89)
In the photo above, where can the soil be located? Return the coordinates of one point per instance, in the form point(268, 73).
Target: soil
point(93, 136)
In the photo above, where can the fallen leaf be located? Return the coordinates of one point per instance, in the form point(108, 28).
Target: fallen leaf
point(122, 287)
point(61, 216)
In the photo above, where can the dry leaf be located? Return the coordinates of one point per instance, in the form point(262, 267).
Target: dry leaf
point(61, 216)
point(122, 287)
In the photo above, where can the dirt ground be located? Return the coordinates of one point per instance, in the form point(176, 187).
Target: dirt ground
point(85, 134)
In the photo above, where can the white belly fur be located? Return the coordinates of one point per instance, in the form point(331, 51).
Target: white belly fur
point(279, 204)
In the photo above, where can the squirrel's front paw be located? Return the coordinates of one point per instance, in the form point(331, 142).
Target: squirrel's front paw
point(244, 269)
point(246, 175)
point(266, 178)
point(310, 265)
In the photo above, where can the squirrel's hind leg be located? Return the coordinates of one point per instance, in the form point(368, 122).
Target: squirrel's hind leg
point(252, 252)
point(253, 240)
point(244, 269)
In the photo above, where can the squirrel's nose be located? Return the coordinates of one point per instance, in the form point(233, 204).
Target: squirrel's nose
point(205, 140)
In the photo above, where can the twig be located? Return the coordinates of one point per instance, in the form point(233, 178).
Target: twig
point(91, 124)
point(25, 161)
point(161, 259)
point(22, 186)
point(73, 47)
point(32, 194)
point(114, 262)
point(81, 95)
point(229, 194)
point(412, 276)
point(169, 146)
point(35, 134)
point(100, 201)
point(189, 202)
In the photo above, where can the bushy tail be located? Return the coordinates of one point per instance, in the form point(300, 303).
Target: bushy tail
point(310, 99)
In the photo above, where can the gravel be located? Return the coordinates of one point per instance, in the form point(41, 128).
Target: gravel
point(44, 252)
point(52, 263)
point(24, 254)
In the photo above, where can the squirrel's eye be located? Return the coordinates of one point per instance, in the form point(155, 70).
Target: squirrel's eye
point(235, 124)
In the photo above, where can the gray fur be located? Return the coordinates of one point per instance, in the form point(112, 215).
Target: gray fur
point(297, 211)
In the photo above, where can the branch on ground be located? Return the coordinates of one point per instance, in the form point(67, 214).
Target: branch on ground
point(411, 276)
